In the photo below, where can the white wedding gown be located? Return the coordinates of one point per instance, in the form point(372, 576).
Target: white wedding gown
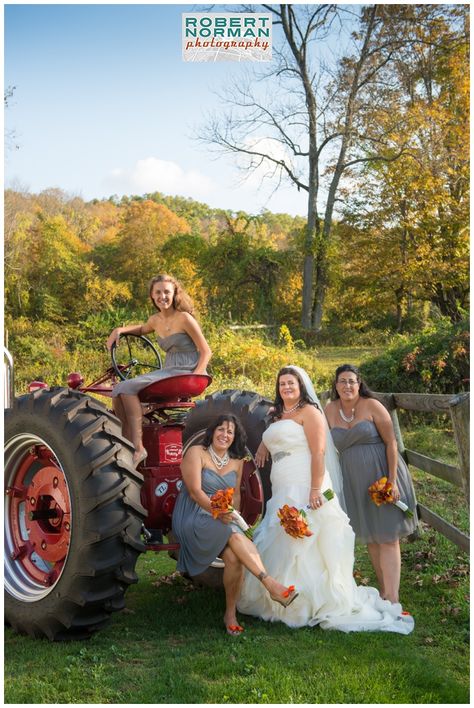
point(320, 566)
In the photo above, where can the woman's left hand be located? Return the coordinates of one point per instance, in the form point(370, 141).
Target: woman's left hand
point(315, 499)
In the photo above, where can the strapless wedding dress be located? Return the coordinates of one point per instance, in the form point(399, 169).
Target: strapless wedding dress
point(320, 566)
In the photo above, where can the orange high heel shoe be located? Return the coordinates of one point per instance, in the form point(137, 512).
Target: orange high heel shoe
point(289, 595)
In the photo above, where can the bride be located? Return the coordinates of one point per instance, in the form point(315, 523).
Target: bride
point(304, 465)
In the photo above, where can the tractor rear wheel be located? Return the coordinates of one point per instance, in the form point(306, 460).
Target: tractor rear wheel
point(73, 515)
point(253, 412)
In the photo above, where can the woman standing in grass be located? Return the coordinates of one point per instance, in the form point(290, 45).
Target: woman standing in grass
point(178, 334)
point(304, 466)
point(363, 433)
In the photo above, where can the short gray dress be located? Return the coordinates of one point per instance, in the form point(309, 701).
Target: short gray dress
point(202, 538)
point(181, 358)
point(363, 460)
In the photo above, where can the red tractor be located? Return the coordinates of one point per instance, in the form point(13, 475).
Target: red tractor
point(77, 513)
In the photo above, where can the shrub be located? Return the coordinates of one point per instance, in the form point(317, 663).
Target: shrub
point(433, 361)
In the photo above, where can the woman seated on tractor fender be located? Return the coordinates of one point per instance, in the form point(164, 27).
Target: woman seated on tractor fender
point(178, 334)
point(217, 464)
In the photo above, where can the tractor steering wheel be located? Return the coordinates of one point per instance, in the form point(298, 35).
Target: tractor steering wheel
point(136, 355)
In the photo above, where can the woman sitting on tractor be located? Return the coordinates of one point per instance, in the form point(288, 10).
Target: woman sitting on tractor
point(178, 334)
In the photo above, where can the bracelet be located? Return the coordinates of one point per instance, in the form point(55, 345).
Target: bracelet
point(318, 489)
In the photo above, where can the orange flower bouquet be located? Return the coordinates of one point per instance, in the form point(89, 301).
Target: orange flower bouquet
point(294, 521)
point(221, 503)
point(381, 493)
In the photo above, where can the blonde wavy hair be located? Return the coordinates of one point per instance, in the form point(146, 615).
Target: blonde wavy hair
point(181, 299)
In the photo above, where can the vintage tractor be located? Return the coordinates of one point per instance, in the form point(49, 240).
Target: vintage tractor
point(77, 513)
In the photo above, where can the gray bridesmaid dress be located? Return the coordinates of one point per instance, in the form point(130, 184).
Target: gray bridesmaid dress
point(181, 358)
point(202, 538)
point(363, 460)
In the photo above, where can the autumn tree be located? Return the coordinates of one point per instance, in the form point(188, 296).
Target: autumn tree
point(137, 249)
point(247, 276)
point(317, 119)
point(411, 216)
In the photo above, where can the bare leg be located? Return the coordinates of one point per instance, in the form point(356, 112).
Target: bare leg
point(248, 555)
point(134, 414)
point(374, 553)
point(233, 577)
point(390, 564)
point(120, 413)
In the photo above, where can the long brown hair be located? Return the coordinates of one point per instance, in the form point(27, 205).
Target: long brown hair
point(181, 299)
point(304, 395)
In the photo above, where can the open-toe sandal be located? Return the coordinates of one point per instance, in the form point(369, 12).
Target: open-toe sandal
point(287, 598)
point(234, 630)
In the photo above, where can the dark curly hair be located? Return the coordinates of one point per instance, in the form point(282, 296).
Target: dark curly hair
point(364, 390)
point(237, 449)
point(278, 405)
point(181, 299)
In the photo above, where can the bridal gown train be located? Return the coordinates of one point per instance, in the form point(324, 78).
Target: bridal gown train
point(320, 566)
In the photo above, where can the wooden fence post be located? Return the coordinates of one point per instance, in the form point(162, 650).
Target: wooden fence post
point(459, 409)
point(390, 403)
point(398, 433)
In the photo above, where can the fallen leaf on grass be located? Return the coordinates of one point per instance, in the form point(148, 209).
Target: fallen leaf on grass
point(429, 640)
point(176, 641)
point(127, 611)
point(461, 570)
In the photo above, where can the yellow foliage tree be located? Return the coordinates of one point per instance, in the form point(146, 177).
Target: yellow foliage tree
point(145, 228)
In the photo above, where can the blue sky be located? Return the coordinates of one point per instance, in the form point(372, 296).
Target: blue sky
point(105, 105)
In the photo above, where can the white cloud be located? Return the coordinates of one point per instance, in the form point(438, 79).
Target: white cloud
point(154, 175)
point(227, 191)
point(261, 170)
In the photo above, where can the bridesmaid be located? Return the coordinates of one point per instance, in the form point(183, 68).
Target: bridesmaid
point(363, 433)
point(178, 334)
point(218, 464)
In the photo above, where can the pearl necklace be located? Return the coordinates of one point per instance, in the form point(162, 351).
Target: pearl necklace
point(219, 462)
point(345, 418)
point(290, 410)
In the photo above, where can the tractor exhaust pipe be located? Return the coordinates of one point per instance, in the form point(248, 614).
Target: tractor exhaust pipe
point(8, 379)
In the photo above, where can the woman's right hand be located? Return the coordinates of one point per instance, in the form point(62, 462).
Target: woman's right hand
point(114, 336)
point(226, 517)
point(261, 456)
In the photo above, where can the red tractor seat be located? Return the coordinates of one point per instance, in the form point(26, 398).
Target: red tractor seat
point(175, 388)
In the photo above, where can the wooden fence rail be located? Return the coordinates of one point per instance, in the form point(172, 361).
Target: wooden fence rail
point(458, 407)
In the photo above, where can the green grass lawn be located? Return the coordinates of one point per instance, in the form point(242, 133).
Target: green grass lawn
point(332, 357)
point(169, 646)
